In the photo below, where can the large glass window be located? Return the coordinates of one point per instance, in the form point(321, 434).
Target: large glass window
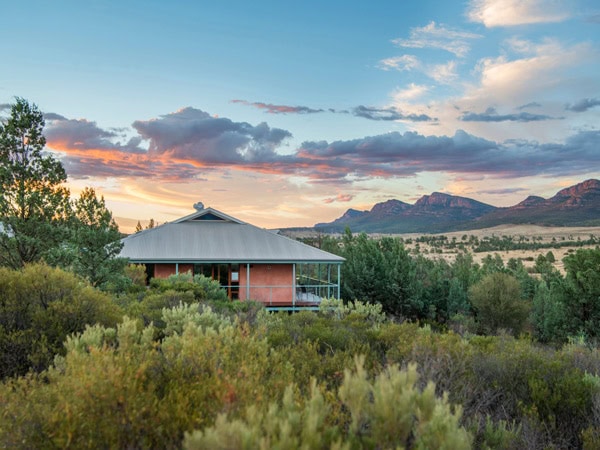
point(226, 274)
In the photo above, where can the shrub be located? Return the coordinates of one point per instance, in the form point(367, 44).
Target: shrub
point(497, 300)
point(39, 307)
point(118, 388)
point(203, 288)
point(387, 412)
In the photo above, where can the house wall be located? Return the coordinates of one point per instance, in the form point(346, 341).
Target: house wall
point(270, 284)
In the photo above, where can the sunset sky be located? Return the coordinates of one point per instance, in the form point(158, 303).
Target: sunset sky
point(288, 113)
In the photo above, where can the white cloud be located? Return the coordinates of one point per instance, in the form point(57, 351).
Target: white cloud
point(401, 63)
point(526, 72)
point(443, 73)
point(513, 80)
point(411, 93)
point(438, 37)
point(503, 13)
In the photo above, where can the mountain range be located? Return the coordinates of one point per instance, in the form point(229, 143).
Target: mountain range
point(578, 205)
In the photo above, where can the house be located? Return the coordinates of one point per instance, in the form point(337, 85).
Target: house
point(250, 262)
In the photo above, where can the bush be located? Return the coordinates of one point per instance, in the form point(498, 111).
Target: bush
point(203, 288)
point(388, 412)
point(498, 303)
point(118, 388)
point(39, 307)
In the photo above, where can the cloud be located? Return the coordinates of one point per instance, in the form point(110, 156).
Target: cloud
point(400, 63)
point(440, 37)
point(412, 92)
point(181, 146)
point(404, 155)
point(529, 105)
point(502, 191)
point(583, 105)
point(195, 136)
point(490, 115)
point(505, 13)
point(52, 116)
point(5, 106)
point(81, 134)
point(388, 114)
point(339, 198)
point(188, 143)
point(544, 68)
point(279, 109)
point(443, 73)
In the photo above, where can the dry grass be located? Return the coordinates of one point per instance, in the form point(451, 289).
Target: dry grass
point(542, 234)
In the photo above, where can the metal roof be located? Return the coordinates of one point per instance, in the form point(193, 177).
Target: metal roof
point(211, 236)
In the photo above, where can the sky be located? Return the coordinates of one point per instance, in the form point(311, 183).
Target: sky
point(286, 114)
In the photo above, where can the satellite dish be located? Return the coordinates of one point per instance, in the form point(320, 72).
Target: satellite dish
point(199, 206)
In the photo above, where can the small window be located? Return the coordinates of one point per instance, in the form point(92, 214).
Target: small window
point(210, 217)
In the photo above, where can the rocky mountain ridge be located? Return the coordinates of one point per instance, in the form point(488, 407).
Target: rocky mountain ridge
point(577, 205)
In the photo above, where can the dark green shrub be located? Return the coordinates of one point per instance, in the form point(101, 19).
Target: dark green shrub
point(39, 307)
point(498, 304)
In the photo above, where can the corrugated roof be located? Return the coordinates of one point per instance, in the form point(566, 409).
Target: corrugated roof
point(222, 238)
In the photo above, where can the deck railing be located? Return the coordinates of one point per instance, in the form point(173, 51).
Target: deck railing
point(288, 295)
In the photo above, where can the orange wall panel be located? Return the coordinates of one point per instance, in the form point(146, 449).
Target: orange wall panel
point(269, 283)
point(164, 270)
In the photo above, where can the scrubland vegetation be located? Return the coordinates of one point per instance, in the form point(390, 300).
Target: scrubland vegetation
point(423, 353)
point(501, 361)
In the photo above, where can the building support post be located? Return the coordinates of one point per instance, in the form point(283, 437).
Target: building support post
point(293, 284)
point(176, 268)
point(339, 280)
point(248, 281)
point(328, 281)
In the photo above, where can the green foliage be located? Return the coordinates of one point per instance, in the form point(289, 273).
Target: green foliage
point(118, 388)
point(39, 307)
point(93, 244)
point(389, 411)
point(497, 300)
point(379, 271)
point(201, 287)
point(549, 314)
point(218, 380)
point(137, 276)
point(34, 203)
point(583, 291)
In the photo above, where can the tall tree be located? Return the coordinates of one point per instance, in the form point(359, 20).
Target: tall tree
point(583, 287)
point(33, 200)
point(94, 241)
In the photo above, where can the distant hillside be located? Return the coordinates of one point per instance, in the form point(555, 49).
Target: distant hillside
point(577, 205)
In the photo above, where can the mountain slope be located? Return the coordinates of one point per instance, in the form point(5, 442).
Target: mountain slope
point(575, 205)
point(578, 205)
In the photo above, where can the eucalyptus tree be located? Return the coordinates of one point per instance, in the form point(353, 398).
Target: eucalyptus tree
point(34, 203)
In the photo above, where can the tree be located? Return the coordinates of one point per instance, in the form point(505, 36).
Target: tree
point(33, 201)
point(379, 271)
point(94, 241)
point(497, 300)
point(583, 291)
